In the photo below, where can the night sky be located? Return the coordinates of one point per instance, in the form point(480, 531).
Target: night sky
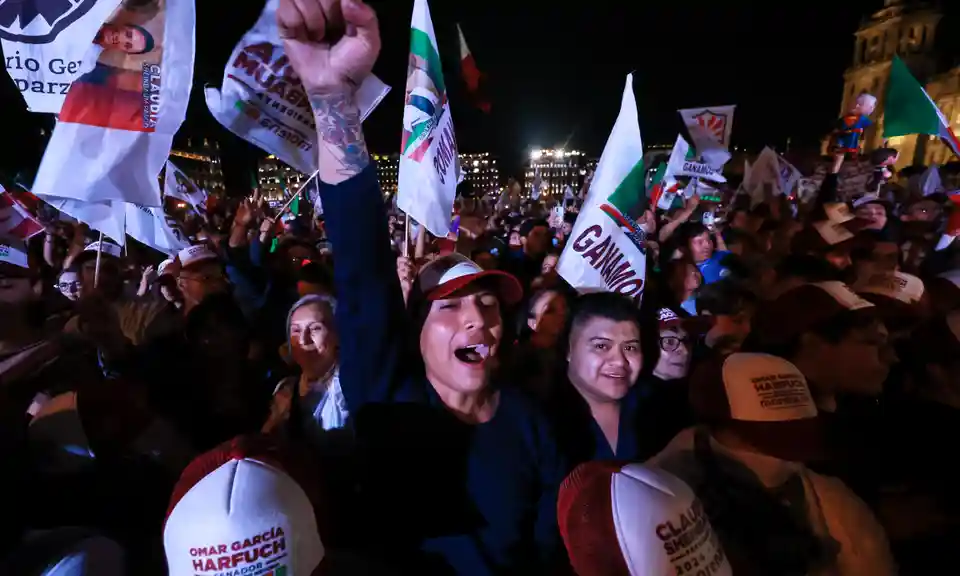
point(556, 72)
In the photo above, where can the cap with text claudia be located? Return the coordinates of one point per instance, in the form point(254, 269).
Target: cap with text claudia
point(633, 520)
point(234, 512)
point(195, 254)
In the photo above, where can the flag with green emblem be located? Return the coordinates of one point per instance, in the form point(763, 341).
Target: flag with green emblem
point(606, 249)
point(429, 163)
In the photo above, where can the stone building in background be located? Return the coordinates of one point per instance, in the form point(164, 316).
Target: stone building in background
point(907, 29)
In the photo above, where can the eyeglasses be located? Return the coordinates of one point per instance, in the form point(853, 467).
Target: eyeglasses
point(672, 343)
point(67, 286)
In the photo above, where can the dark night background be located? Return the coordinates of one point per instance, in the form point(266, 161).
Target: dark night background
point(556, 72)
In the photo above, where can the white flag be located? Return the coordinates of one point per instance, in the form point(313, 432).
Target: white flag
point(764, 176)
point(176, 184)
point(101, 216)
point(263, 102)
point(929, 182)
point(606, 248)
point(789, 175)
point(117, 122)
point(710, 130)
point(44, 45)
point(429, 164)
point(154, 228)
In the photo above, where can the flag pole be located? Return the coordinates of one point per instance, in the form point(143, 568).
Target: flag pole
point(293, 196)
point(96, 270)
point(406, 236)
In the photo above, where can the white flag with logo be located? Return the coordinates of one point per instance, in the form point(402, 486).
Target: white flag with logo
point(606, 248)
point(45, 42)
point(176, 184)
point(262, 101)
point(116, 126)
point(710, 130)
point(153, 227)
point(429, 163)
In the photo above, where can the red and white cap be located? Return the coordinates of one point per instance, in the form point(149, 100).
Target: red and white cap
point(236, 510)
point(167, 267)
point(764, 398)
point(448, 274)
point(634, 520)
point(195, 254)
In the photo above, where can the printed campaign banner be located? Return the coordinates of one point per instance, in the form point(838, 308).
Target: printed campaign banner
point(117, 123)
point(263, 102)
point(44, 43)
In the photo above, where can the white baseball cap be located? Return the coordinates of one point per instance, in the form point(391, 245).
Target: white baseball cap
point(765, 388)
point(233, 512)
point(15, 255)
point(107, 248)
point(195, 254)
point(765, 399)
point(905, 288)
point(448, 274)
point(638, 520)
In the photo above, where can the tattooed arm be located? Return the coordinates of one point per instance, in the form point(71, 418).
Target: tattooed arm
point(343, 150)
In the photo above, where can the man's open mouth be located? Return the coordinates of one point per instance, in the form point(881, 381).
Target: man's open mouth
point(474, 354)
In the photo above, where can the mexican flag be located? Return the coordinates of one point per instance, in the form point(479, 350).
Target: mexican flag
point(471, 74)
point(908, 109)
point(606, 248)
point(429, 164)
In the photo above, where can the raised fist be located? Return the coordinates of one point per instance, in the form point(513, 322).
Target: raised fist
point(332, 44)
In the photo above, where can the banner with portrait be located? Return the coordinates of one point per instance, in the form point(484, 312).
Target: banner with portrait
point(117, 122)
point(44, 43)
point(263, 102)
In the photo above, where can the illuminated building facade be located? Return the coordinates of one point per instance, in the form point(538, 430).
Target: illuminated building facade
point(481, 171)
point(273, 176)
point(558, 169)
point(388, 168)
point(199, 158)
point(907, 29)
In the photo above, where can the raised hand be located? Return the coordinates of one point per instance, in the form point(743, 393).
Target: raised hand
point(331, 65)
point(332, 44)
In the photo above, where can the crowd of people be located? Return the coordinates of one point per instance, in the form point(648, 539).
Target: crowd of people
point(315, 400)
